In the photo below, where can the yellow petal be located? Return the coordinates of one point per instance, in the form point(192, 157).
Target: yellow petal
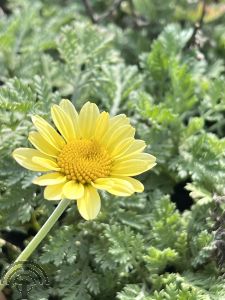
point(63, 123)
point(102, 183)
point(25, 156)
point(119, 134)
point(54, 192)
point(46, 163)
point(119, 120)
point(48, 132)
point(42, 145)
point(70, 110)
point(131, 167)
point(136, 184)
point(121, 147)
point(122, 150)
point(148, 158)
point(89, 205)
point(115, 186)
point(116, 127)
point(87, 119)
point(101, 125)
point(50, 179)
point(73, 190)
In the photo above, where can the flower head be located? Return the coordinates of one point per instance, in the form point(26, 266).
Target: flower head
point(91, 151)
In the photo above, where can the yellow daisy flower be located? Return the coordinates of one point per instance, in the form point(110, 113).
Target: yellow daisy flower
point(91, 151)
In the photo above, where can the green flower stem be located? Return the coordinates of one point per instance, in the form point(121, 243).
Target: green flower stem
point(36, 240)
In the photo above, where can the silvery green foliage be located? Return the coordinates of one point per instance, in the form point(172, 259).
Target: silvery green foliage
point(168, 242)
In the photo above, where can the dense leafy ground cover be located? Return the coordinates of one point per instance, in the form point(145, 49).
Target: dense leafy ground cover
point(149, 60)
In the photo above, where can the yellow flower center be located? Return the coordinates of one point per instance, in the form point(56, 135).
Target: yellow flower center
point(84, 161)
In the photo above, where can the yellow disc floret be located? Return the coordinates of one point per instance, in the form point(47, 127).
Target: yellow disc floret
point(84, 160)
